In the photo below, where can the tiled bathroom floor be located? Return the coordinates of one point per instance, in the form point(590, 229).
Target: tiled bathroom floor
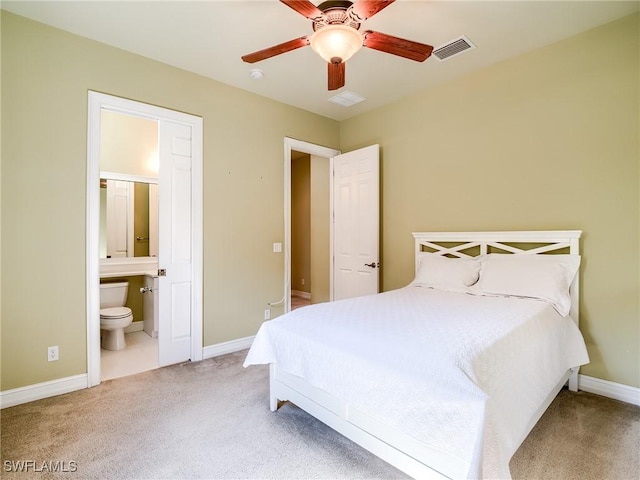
point(140, 355)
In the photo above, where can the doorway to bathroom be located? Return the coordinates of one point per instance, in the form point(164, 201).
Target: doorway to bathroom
point(151, 157)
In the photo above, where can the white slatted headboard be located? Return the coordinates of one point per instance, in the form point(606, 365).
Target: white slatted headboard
point(472, 244)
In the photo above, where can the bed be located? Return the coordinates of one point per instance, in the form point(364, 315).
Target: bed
point(443, 378)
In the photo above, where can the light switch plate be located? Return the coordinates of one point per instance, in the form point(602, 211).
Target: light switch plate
point(277, 247)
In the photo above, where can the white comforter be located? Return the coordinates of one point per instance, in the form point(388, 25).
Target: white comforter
point(461, 374)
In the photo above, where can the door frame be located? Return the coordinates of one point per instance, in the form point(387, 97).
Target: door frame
point(320, 151)
point(96, 103)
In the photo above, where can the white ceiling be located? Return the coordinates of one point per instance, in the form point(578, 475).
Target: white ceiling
point(209, 37)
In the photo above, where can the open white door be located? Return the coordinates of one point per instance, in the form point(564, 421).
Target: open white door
point(356, 229)
point(119, 219)
point(175, 258)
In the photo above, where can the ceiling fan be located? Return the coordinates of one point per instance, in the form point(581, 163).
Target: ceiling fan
point(336, 37)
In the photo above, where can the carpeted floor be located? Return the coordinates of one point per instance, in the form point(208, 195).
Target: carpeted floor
point(211, 419)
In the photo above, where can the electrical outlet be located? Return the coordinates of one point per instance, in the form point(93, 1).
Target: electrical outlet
point(267, 314)
point(303, 281)
point(52, 354)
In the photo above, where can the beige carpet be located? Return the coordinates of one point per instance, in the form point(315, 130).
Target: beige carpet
point(211, 419)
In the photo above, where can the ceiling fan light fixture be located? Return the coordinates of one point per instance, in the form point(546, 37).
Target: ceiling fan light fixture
point(336, 43)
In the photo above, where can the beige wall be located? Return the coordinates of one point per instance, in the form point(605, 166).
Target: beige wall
point(300, 222)
point(320, 229)
point(46, 76)
point(310, 229)
point(547, 140)
point(141, 219)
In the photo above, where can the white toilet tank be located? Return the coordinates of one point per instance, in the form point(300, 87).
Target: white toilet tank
point(113, 294)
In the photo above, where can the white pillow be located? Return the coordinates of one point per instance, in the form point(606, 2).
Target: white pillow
point(546, 277)
point(446, 273)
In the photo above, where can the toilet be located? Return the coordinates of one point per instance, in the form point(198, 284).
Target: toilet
point(114, 316)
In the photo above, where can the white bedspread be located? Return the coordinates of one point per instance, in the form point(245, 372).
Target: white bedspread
point(461, 374)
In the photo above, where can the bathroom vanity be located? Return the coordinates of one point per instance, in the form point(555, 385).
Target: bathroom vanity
point(128, 267)
point(150, 304)
point(146, 267)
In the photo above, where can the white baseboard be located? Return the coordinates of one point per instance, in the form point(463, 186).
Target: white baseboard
point(227, 347)
point(299, 294)
point(609, 389)
point(38, 391)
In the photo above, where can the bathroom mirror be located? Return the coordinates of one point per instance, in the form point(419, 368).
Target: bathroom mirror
point(128, 216)
point(128, 187)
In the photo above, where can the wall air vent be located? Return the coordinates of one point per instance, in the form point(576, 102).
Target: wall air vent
point(451, 49)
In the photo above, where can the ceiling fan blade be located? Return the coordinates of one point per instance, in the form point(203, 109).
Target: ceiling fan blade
point(276, 50)
point(336, 73)
point(304, 8)
point(368, 8)
point(397, 46)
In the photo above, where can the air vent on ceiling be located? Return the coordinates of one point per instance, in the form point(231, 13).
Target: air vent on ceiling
point(451, 49)
point(346, 98)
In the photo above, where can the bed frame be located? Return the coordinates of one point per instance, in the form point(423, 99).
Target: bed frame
point(392, 445)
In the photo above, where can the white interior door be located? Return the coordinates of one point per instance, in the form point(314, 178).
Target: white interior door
point(118, 206)
point(356, 228)
point(175, 247)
